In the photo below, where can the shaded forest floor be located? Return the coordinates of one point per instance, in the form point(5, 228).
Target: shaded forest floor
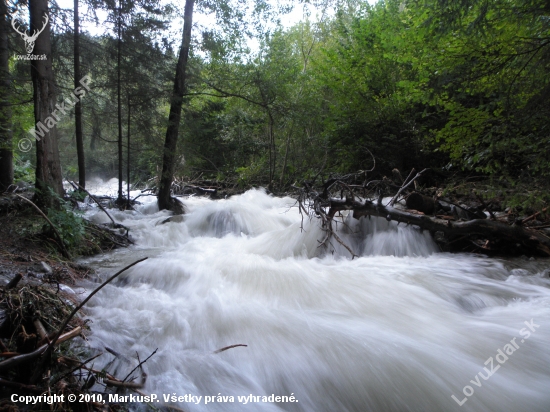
point(35, 300)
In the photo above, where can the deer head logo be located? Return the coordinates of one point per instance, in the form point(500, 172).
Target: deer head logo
point(29, 40)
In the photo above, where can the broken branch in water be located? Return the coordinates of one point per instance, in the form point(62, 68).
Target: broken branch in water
point(229, 347)
point(80, 365)
point(338, 195)
point(115, 225)
point(140, 364)
point(451, 229)
point(128, 385)
point(16, 360)
point(95, 200)
point(405, 186)
point(71, 315)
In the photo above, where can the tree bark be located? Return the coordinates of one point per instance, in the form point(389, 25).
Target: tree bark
point(48, 167)
point(120, 199)
point(165, 201)
point(128, 124)
point(285, 159)
point(451, 230)
point(78, 105)
point(272, 151)
point(6, 154)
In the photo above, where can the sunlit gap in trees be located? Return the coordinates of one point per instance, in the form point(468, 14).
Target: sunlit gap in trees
point(313, 13)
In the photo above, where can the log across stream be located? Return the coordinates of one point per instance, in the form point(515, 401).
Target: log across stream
point(401, 327)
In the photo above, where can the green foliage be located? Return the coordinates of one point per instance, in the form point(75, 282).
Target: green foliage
point(69, 224)
point(488, 78)
point(370, 84)
point(78, 195)
point(461, 85)
point(23, 171)
point(247, 176)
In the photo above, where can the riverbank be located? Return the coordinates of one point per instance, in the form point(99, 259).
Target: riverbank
point(37, 297)
point(182, 299)
point(334, 332)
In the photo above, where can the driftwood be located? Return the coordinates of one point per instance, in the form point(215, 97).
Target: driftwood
point(128, 385)
point(199, 190)
point(76, 185)
point(49, 347)
point(229, 347)
point(405, 185)
point(16, 360)
point(140, 365)
point(40, 329)
point(79, 365)
point(76, 364)
point(451, 230)
point(465, 226)
point(115, 225)
point(532, 217)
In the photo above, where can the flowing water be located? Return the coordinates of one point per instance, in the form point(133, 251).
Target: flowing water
point(399, 328)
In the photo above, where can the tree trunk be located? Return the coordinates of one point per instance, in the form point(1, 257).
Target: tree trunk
point(120, 199)
point(128, 154)
point(281, 181)
point(445, 231)
point(6, 154)
point(78, 105)
point(165, 201)
point(48, 167)
point(272, 152)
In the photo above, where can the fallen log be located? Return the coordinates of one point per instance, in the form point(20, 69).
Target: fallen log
point(201, 190)
point(49, 347)
point(460, 227)
point(445, 230)
point(26, 357)
point(77, 186)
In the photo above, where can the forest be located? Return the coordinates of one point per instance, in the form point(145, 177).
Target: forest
point(458, 87)
point(337, 203)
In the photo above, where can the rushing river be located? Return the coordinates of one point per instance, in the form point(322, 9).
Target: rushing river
point(400, 328)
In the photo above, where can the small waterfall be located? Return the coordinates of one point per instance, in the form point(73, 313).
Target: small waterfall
point(401, 327)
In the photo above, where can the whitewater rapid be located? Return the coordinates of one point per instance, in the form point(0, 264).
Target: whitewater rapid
point(402, 327)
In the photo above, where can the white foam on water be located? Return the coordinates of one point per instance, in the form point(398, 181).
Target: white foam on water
point(399, 328)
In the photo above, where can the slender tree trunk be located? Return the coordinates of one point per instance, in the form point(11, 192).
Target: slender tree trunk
point(48, 167)
point(6, 154)
point(119, 105)
point(165, 201)
point(272, 152)
point(96, 130)
point(285, 160)
point(128, 154)
point(78, 105)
